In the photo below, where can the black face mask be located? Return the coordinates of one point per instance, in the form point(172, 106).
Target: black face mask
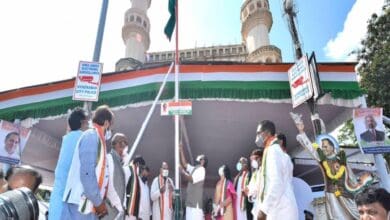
point(144, 179)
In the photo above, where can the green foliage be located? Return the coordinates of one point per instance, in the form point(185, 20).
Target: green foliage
point(346, 135)
point(374, 60)
point(374, 71)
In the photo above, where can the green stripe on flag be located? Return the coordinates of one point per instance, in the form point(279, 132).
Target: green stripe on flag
point(191, 90)
point(170, 26)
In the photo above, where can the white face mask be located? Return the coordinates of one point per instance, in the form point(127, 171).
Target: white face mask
point(165, 173)
point(259, 141)
point(254, 164)
point(238, 166)
point(108, 134)
point(124, 153)
point(220, 171)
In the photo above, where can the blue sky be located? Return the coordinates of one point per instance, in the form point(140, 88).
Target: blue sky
point(43, 40)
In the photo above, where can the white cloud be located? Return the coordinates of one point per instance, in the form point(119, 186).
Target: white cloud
point(355, 27)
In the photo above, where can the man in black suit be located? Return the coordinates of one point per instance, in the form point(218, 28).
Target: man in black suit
point(371, 134)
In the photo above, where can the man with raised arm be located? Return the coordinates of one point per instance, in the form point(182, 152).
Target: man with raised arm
point(195, 175)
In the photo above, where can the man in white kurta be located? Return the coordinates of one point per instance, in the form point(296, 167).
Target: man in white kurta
point(145, 210)
point(253, 188)
point(277, 199)
point(195, 175)
point(161, 193)
point(240, 182)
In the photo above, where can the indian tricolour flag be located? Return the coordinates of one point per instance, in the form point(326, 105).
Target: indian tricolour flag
point(170, 26)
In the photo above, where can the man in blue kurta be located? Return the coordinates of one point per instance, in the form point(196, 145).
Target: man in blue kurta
point(77, 123)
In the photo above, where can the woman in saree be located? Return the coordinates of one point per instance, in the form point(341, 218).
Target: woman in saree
point(225, 196)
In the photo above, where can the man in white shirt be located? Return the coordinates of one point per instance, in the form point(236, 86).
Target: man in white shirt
point(240, 182)
point(161, 194)
point(254, 185)
point(277, 199)
point(195, 175)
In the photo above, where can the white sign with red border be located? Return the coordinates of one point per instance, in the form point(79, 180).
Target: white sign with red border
point(87, 83)
point(300, 82)
point(176, 108)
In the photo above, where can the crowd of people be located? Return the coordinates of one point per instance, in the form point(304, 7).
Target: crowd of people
point(94, 183)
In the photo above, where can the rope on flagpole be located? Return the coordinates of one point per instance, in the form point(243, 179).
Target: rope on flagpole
point(131, 151)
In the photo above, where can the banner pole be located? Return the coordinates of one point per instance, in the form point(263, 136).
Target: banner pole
point(177, 159)
point(98, 45)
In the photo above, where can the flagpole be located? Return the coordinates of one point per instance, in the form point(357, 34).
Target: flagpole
point(177, 159)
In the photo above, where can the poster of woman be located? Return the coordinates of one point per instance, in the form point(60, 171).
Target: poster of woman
point(13, 139)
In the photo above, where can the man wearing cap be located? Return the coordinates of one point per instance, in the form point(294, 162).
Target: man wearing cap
point(195, 175)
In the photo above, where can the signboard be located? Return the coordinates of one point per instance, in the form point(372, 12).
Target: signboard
point(13, 139)
point(300, 82)
point(176, 108)
point(370, 131)
point(315, 77)
point(87, 83)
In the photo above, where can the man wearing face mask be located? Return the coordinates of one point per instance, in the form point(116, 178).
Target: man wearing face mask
point(133, 174)
point(161, 194)
point(87, 182)
point(195, 175)
point(276, 196)
point(253, 188)
point(241, 181)
point(145, 210)
point(116, 185)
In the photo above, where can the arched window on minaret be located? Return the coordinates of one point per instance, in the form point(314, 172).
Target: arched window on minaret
point(251, 7)
point(265, 4)
point(139, 20)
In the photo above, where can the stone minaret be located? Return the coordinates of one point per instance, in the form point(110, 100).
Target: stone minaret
point(256, 20)
point(135, 35)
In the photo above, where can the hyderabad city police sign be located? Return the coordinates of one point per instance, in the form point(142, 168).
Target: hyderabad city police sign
point(87, 83)
point(300, 82)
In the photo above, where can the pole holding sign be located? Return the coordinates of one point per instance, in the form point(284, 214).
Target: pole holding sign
point(87, 83)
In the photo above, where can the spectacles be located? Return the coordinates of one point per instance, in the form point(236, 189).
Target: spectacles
point(259, 132)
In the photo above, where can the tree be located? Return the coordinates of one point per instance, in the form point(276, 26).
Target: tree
point(374, 61)
point(374, 71)
point(346, 135)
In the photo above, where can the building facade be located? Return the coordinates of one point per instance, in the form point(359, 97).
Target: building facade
point(256, 22)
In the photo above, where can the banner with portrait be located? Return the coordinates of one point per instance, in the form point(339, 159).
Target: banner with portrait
point(370, 130)
point(13, 139)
